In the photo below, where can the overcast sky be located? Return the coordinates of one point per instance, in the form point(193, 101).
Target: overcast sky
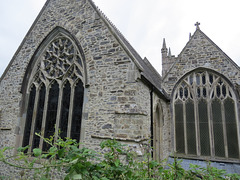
point(143, 22)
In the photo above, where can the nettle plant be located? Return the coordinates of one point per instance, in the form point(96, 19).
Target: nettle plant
point(118, 162)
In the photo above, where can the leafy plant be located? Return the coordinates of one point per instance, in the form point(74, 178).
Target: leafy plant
point(117, 162)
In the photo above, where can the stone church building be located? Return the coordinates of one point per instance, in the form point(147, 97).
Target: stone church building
point(75, 71)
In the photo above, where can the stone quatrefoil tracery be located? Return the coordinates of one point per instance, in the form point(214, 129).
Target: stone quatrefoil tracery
point(55, 93)
point(60, 59)
point(202, 85)
point(205, 116)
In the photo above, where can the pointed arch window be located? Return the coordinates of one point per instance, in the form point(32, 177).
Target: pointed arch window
point(206, 117)
point(56, 92)
point(158, 121)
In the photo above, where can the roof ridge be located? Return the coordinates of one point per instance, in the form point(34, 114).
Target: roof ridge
point(109, 21)
point(120, 37)
point(145, 59)
point(213, 43)
point(235, 64)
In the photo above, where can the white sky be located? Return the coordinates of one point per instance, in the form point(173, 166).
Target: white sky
point(144, 23)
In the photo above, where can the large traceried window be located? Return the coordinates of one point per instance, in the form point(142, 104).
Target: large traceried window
point(56, 92)
point(206, 117)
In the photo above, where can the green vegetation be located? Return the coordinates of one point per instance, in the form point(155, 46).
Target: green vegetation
point(117, 163)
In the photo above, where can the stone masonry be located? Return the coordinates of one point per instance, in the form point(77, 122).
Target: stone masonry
point(116, 100)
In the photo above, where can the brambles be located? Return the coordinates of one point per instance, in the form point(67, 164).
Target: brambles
point(65, 157)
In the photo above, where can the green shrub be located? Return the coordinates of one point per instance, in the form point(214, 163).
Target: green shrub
point(118, 163)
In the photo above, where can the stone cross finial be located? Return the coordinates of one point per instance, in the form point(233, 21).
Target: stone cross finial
point(197, 25)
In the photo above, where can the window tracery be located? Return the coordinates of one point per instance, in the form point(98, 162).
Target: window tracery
point(205, 117)
point(55, 93)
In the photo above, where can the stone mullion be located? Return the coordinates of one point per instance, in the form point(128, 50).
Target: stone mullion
point(174, 124)
point(44, 114)
point(210, 129)
point(196, 115)
point(237, 122)
point(185, 127)
point(224, 129)
point(197, 127)
point(210, 117)
point(71, 110)
point(34, 118)
point(59, 109)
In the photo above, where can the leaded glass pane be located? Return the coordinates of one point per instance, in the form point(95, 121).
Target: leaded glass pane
point(218, 91)
point(204, 92)
point(77, 111)
point(28, 123)
point(198, 79)
point(63, 125)
point(190, 120)
point(203, 79)
point(224, 91)
point(51, 113)
point(60, 61)
point(191, 79)
point(231, 127)
point(186, 92)
point(181, 92)
point(179, 128)
point(209, 91)
point(38, 123)
point(218, 128)
point(204, 129)
point(213, 94)
point(176, 96)
point(198, 92)
point(211, 78)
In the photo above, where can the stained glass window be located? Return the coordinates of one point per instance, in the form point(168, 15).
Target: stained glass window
point(206, 115)
point(27, 130)
point(57, 91)
point(63, 124)
point(38, 123)
point(180, 128)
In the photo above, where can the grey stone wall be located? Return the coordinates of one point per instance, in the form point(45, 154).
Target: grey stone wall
point(114, 107)
point(200, 51)
point(165, 127)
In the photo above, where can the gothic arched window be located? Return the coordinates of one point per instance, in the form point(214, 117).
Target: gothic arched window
point(55, 92)
point(206, 117)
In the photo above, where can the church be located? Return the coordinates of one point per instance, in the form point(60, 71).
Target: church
point(75, 72)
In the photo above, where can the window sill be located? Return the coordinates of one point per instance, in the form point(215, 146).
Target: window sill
point(207, 158)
